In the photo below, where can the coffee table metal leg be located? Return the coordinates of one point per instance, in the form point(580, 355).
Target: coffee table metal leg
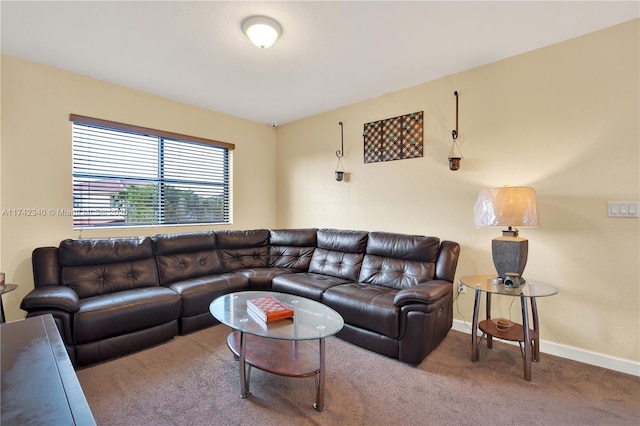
point(319, 404)
point(244, 378)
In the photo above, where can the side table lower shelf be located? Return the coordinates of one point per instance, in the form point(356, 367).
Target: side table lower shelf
point(515, 333)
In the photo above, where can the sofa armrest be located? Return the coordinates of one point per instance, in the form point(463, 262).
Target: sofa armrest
point(46, 267)
point(51, 297)
point(447, 261)
point(426, 293)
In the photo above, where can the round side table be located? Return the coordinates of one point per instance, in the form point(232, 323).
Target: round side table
point(527, 338)
point(5, 289)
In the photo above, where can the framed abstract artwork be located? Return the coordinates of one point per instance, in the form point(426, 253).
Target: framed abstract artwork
point(394, 138)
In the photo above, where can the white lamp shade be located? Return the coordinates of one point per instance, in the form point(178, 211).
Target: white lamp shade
point(262, 31)
point(515, 206)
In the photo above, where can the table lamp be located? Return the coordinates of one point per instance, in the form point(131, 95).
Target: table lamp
point(513, 207)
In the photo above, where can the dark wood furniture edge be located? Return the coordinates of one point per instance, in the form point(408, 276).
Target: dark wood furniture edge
point(514, 334)
point(283, 357)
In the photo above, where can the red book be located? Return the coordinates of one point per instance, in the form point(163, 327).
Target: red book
point(268, 308)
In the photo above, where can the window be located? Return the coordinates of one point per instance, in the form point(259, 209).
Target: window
point(127, 175)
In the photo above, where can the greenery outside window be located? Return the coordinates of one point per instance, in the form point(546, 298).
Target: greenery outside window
point(126, 175)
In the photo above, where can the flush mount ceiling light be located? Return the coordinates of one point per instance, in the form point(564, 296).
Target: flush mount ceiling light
point(262, 31)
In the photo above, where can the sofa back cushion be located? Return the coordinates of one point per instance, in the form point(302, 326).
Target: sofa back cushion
point(399, 261)
point(339, 253)
point(93, 267)
point(185, 256)
point(243, 249)
point(291, 248)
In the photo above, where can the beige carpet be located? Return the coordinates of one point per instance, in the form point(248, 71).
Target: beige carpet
point(193, 380)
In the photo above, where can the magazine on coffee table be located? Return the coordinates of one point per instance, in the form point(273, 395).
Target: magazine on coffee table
point(268, 308)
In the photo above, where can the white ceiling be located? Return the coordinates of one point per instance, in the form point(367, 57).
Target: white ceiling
point(331, 53)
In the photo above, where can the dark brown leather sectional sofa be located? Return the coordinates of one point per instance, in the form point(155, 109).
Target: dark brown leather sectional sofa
point(113, 296)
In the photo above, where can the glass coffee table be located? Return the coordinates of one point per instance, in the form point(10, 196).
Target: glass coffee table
point(278, 347)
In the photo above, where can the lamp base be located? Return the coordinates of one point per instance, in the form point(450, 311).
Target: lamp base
point(509, 255)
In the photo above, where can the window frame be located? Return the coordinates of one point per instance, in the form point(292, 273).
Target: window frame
point(161, 137)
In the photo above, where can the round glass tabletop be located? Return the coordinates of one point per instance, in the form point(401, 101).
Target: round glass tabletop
point(530, 288)
point(311, 319)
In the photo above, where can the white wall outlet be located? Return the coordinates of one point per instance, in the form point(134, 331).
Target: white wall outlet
point(461, 288)
point(623, 209)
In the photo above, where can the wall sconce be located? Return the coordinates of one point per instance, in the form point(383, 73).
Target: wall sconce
point(340, 153)
point(511, 206)
point(455, 155)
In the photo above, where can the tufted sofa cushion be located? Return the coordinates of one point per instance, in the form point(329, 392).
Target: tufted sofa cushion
point(184, 256)
point(339, 253)
point(403, 246)
point(291, 248)
point(94, 267)
point(399, 261)
point(243, 249)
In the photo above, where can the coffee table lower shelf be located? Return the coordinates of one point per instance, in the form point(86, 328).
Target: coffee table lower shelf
point(283, 357)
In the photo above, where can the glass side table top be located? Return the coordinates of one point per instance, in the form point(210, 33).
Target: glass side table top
point(311, 319)
point(6, 288)
point(530, 288)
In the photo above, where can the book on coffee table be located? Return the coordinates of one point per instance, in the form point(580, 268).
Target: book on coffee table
point(262, 323)
point(268, 308)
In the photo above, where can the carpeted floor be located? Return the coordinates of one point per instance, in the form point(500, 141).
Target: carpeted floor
point(193, 380)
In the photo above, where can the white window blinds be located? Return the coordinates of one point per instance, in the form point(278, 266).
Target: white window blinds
point(131, 176)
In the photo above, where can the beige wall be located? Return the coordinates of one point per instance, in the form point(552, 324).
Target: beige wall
point(564, 119)
point(36, 158)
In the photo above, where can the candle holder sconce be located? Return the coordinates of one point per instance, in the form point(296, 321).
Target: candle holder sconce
point(455, 155)
point(339, 173)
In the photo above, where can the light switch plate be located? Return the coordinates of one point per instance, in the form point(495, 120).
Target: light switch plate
point(623, 209)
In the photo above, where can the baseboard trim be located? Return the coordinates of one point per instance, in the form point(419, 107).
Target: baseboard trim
point(572, 353)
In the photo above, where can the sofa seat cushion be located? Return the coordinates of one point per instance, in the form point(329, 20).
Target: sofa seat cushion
point(261, 278)
point(198, 293)
point(306, 284)
point(366, 306)
point(124, 312)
